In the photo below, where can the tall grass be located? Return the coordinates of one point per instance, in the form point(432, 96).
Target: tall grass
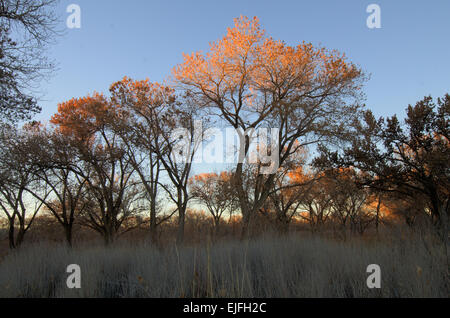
point(265, 267)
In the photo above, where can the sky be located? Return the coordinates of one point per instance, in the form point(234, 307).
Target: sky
point(407, 58)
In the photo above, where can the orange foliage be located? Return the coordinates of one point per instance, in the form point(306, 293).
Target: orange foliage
point(372, 205)
point(81, 117)
point(299, 176)
point(204, 178)
point(245, 59)
point(140, 94)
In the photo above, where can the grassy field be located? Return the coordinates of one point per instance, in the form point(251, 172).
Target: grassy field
point(265, 267)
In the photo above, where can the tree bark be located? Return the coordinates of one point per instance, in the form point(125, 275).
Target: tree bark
point(11, 233)
point(68, 233)
point(181, 222)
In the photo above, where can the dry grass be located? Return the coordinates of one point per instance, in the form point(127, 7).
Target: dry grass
point(265, 267)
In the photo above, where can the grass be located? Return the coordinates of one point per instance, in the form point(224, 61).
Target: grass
point(265, 267)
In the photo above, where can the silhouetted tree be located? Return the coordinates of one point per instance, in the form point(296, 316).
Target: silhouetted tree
point(215, 192)
point(17, 180)
point(143, 103)
point(26, 27)
point(412, 159)
point(53, 156)
point(101, 161)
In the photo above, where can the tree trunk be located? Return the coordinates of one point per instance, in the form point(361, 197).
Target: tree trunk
point(109, 234)
point(68, 232)
point(282, 223)
point(11, 239)
point(181, 221)
point(216, 226)
point(245, 231)
point(377, 217)
point(153, 190)
point(108, 238)
point(243, 202)
point(182, 196)
point(20, 236)
point(153, 224)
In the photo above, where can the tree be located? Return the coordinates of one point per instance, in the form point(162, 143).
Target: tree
point(253, 81)
point(165, 126)
point(100, 160)
point(378, 203)
point(53, 153)
point(180, 138)
point(411, 160)
point(17, 180)
point(315, 204)
point(143, 102)
point(348, 200)
point(215, 192)
point(292, 183)
point(26, 27)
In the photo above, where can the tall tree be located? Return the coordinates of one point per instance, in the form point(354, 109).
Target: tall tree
point(101, 161)
point(180, 137)
point(144, 103)
point(253, 81)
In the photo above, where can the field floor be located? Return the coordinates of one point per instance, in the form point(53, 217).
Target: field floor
point(265, 267)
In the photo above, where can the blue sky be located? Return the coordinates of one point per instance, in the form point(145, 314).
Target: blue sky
point(407, 58)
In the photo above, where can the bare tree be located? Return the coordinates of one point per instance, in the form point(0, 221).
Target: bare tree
point(180, 139)
point(53, 153)
point(349, 201)
point(291, 183)
point(17, 178)
point(315, 204)
point(215, 192)
point(26, 28)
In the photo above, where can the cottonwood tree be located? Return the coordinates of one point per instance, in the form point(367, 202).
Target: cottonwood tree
point(410, 159)
point(215, 192)
point(348, 200)
point(180, 137)
point(252, 81)
point(17, 180)
point(315, 204)
point(54, 154)
point(101, 160)
point(26, 28)
point(288, 197)
point(292, 181)
point(143, 103)
point(164, 126)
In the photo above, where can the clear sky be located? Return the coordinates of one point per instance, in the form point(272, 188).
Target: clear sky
point(407, 58)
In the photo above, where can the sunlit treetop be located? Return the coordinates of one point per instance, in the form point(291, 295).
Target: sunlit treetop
point(141, 94)
point(249, 71)
point(81, 117)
